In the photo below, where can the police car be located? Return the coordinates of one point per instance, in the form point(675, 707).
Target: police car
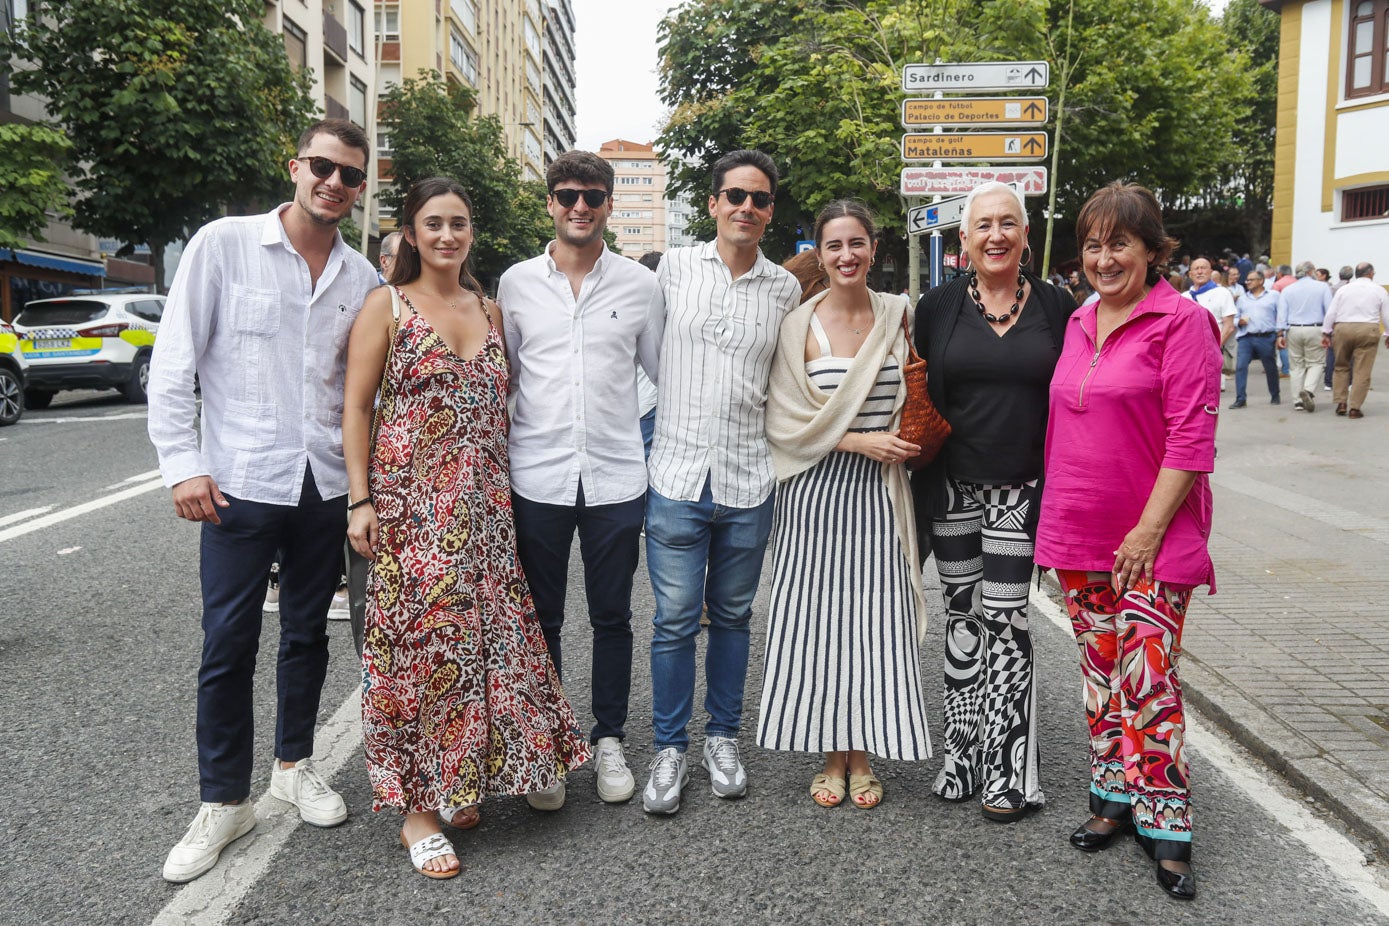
point(98, 341)
point(13, 368)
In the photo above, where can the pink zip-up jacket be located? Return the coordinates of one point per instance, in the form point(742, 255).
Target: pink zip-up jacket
point(1148, 399)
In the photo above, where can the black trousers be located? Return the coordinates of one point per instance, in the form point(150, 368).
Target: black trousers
point(235, 566)
point(609, 540)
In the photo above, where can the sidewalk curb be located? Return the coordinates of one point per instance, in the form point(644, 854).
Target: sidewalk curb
point(1287, 752)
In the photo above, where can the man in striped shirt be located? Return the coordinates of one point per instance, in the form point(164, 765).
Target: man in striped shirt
point(709, 507)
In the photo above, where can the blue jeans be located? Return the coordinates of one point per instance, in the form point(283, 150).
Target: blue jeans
point(701, 553)
point(1246, 349)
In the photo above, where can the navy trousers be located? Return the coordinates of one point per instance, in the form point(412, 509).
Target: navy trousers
point(235, 567)
point(609, 542)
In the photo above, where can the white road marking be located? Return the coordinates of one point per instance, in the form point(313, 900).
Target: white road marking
point(65, 514)
point(211, 899)
point(21, 515)
point(66, 551)
point(150, 474)
point(126, 416)
point(1339, 853)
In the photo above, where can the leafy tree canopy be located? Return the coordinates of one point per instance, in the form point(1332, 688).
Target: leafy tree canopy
point(175, 108)
point(32, 158)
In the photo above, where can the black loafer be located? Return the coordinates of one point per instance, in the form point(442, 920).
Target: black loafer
point(1182, 886)
point(1088, 840)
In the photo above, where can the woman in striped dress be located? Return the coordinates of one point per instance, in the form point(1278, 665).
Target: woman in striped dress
point(842, 673)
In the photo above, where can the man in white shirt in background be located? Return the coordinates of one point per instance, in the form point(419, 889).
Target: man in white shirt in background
point(709, 510)
point(576, 317)
point(1301, 310)
point(1359, 312)
point(259, 312)
point(1218, 301)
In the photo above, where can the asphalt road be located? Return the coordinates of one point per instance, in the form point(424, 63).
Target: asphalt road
point(99, 647)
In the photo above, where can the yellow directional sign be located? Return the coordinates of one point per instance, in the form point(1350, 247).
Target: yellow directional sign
point(978, 110)
point(975, 146)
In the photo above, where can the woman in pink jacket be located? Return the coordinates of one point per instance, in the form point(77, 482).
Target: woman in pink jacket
point(1126, 514)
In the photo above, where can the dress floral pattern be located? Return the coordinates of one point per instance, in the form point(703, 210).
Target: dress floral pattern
point(460, 699)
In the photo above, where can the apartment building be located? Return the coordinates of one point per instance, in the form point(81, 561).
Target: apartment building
point(646, 215)
point(558, 109)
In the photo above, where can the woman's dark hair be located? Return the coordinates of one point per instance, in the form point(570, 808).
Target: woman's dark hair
point(1126, 208)
point(842, 209)
point(406, 268)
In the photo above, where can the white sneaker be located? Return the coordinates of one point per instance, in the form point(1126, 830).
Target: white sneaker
point(214, 828)
point(272, 593)
point(668, 777)
point(339, 610)
point(726, 773)
point(301, 786)
point(551, 798)
point(615, 781)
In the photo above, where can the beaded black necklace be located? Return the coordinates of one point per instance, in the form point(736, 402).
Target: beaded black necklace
point(979, 303)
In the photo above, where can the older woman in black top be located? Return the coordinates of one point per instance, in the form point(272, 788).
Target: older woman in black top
point(991, 340)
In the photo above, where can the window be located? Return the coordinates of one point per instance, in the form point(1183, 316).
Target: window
point(357, 102)
point(356, 28)
point(296, 44)
point(532, 38)
point(462, 56)
point(388, 23)
point(1365, 203)
point(633, 230)
point(1367, 52)
point(148, 309)
point(466, 13)
point(383, 144)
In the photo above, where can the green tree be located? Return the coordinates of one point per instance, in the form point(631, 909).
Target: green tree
point(32, 158)
point(435, 133)
point(175, 108)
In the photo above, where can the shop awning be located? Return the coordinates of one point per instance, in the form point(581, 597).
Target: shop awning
point(88, 268)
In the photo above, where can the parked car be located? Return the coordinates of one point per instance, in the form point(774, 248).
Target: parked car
point(99, 341)
point(13, 376)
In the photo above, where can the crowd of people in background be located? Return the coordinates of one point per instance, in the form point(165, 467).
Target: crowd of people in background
point(718, 404)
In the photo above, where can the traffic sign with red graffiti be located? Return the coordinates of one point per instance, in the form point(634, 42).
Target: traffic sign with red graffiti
point(951, 181)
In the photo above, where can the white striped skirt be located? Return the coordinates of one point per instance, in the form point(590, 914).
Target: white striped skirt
point(842, 669)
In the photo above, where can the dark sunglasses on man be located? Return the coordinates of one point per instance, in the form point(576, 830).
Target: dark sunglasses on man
point(592, 198)
point(323, 168)
point(760, 198)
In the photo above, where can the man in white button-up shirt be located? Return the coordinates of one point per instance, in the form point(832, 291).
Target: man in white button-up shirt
point(576, 317)
point(709, 509)
point(259, 312)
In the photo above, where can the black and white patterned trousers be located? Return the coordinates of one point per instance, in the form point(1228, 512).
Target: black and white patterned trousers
point(984, 554)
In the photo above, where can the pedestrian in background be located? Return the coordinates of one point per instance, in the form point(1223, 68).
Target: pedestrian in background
point(1256, 333)
point(460, 701)
point(1134, 398)
point(1221, 304)
point(258, 317)
point(1301, 310)
point(1358, 313)
point(842, 669)
point(991, 341)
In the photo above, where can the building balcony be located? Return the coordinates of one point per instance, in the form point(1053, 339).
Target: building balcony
point(334, 109)
point(334, 38)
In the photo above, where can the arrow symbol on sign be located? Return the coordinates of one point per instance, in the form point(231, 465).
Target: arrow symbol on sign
point(1032, 109)
point(1033, 74)
point(1032, 145)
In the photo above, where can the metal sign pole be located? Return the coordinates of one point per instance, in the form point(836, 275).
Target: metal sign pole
point(937, 243)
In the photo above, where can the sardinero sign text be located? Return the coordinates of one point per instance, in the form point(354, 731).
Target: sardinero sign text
point(950, 181)
point(983, 75)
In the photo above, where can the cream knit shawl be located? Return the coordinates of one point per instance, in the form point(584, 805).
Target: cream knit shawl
point(804, 424)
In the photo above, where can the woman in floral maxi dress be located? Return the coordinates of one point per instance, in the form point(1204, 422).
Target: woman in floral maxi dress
point(460, 700)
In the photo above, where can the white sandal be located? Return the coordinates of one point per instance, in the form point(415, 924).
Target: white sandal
point(430, 847)
point(461, 818)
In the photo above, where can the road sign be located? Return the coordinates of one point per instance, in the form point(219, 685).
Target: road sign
point(944, 214)
point(975, 146)
point(803, 246)
point(981, 75)
point(975, 110)
point(950, 181)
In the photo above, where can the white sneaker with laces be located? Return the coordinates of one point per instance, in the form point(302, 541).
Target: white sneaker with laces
point(726, 774)
point(301, 786)
point(339, 610)
point(551, 798)
point(668, 777)
point(615, 781)
point(214, 828)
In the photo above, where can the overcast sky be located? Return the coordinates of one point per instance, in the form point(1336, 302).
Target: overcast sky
point(616, 49)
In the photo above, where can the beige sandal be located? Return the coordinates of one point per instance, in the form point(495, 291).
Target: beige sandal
point(859, 785)
point(833, 784)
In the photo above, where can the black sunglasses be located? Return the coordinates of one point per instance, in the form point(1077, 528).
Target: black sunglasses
point(592, 198)
point(760, 198)
point(323, 168)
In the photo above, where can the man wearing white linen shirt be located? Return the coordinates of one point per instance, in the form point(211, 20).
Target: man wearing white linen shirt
point(1359, 312)
point(577, 319)
point(259, 312)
